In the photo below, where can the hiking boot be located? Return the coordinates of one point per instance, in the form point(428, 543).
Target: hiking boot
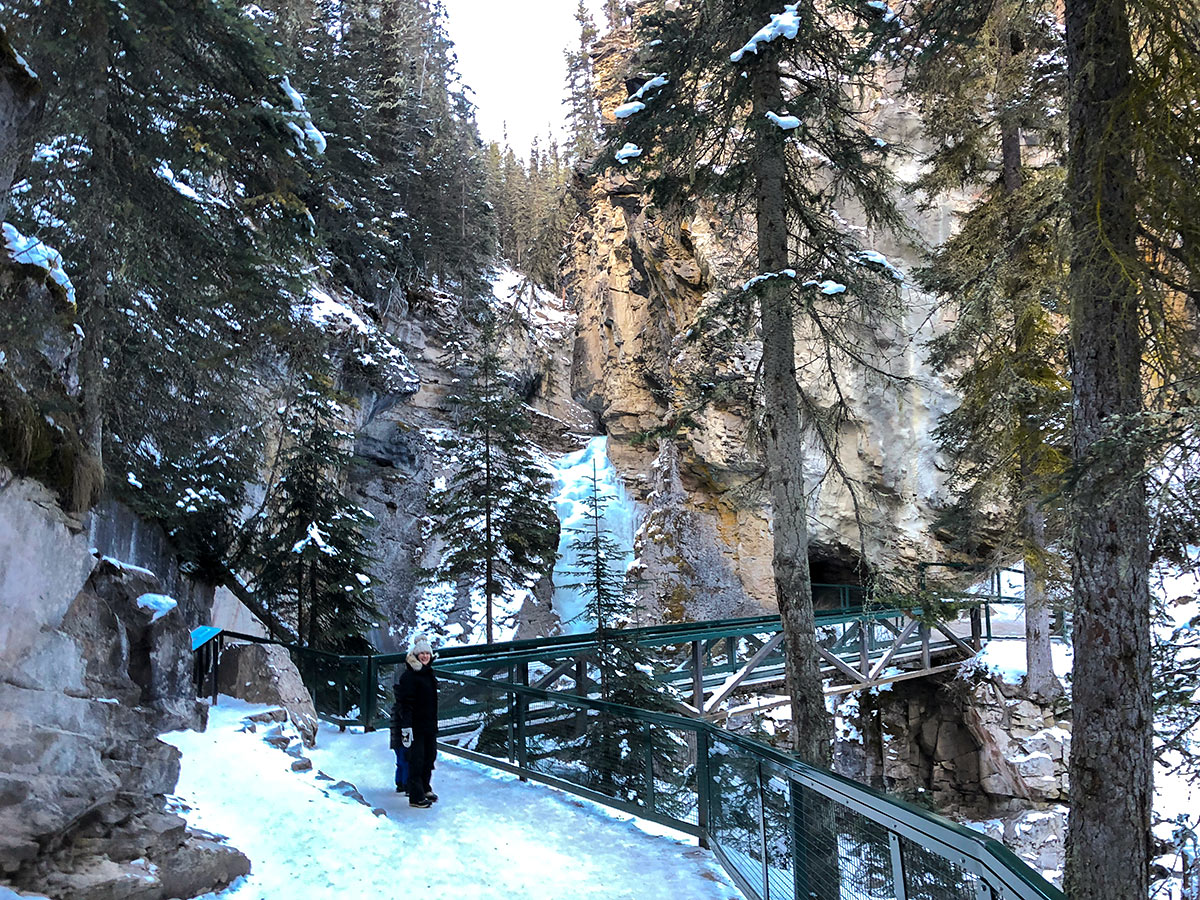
point(421, 804)
point(401, 789)
point(431, 796)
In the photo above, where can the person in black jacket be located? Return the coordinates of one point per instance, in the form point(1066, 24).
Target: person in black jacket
point(416, 701)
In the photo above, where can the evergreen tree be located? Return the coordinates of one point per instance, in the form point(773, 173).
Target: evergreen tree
point(494, 512)
point(616, 748)
point(314, 554)
point(616, 12)
point(990, 97)
point(606, 600)
point(534, 209)
point(1134, 113)
point(583, 113)
point(770, 123)
point(168, 171)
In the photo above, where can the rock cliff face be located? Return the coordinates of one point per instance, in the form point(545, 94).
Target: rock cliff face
point(89, 677)
point(972, 747)
point(642, 279)
point(395, 441)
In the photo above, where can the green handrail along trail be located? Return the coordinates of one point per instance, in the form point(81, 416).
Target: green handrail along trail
point(781, 829)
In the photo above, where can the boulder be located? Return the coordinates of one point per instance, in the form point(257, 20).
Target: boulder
point(265, 673)
point(90, 674)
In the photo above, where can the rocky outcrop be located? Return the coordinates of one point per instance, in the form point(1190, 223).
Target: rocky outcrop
point(657, 367)
point(94, 665)
point(967, 743)
point(400, 461)
point(972, 748)
point(1025, 746)
point(265, 673)
point(692, 578)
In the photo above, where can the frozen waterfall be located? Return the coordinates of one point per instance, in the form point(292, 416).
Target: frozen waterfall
point(573, 481)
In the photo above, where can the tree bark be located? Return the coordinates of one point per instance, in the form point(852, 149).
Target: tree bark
point(1108, 849)
point(783, 436)
point(1039, 663)
point(93, 298)
point(20, 110)
point(1040, 680)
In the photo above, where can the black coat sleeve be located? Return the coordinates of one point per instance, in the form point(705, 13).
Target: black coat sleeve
point(404, 700)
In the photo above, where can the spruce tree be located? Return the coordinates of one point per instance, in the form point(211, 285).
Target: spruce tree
point(315, 553)
point(998, 95)
point(583, 113)
point(595, 576)
point(494, 511)
point(1134, 112)
point(168, 171)
point(769, 124)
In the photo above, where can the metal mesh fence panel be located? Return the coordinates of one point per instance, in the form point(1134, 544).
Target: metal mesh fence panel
point(778, 834)
point(335, 684)
point(930, 876)
point(735, 811)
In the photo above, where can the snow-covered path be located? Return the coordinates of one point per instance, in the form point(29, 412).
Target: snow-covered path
point(489, 836)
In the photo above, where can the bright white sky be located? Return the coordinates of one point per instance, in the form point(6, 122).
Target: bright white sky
point(511, 54)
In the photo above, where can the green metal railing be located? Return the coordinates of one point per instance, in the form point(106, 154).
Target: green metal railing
point(781, 829)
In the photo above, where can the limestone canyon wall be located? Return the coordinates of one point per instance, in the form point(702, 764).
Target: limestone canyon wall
point(642, 279)
point(89, 677)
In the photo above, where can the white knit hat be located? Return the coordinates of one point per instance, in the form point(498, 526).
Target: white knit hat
point(420, 644)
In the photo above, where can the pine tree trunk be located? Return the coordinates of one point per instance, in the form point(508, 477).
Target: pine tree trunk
point(20, 111)
point(783, 437)
point(94, 299)
point(1111, 762)
point(1039, 664)
point(1040, 680)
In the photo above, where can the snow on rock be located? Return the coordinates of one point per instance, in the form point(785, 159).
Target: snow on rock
point(628, 152)
point(23, 63)
point(375, 348)
point(625, 110)
point(158, 604)
point(339, 829)
point(32, 252)
point(787, 123)
point(785, 24)
point(327, 311)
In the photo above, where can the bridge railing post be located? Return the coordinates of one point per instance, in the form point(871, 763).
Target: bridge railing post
point(648, 731)
point(698, 674)
point(522, 711)
point(512, 717)
point(762, 833)
point(366, 693)
point(703, 785)
point(899, 888)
